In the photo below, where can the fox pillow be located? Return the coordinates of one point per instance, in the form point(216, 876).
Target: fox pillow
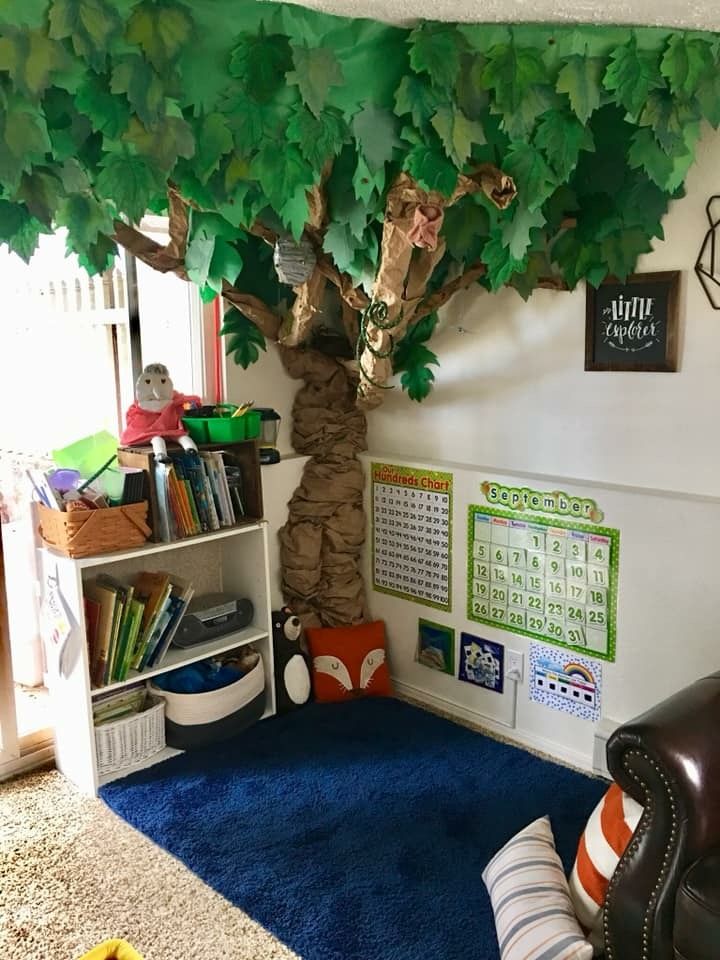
point(349, 662)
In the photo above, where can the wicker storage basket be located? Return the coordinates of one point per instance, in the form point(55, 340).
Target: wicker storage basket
point(132, 739)
point(84, 533)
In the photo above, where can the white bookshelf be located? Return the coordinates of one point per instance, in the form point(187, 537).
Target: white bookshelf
point(234, 560)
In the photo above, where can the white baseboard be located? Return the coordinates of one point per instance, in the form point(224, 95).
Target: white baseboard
point(520, 738)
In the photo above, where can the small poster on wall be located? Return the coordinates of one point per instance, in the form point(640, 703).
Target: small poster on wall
point(436, 646)
point(632, 324)
point(412, 528)
point(565, 681)
point(482, 662)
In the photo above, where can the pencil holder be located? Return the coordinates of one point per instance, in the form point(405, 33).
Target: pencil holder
point(85, 533)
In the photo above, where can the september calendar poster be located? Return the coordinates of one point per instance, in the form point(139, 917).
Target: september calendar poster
point(412, 533)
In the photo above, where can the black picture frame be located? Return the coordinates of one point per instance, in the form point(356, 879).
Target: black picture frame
point(632, 325)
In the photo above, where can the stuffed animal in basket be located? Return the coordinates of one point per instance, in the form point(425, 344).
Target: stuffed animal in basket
point(292, 664)
point(157, 412)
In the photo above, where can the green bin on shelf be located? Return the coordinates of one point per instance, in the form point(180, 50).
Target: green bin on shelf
point(197, 427)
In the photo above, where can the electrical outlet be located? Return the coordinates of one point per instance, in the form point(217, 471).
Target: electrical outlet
point(514, 664)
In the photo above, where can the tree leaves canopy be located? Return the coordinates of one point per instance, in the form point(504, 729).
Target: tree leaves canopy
point(244, 106)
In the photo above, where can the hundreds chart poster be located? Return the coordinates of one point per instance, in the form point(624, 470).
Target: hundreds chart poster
point(412, 529)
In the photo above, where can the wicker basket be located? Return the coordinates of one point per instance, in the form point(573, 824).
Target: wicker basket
point(132, 739)
point(84, 533)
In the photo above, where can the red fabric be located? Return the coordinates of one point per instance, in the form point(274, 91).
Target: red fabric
point(349, 662)
point(143, 425)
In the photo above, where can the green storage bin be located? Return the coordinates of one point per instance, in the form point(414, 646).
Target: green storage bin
point(226, 429)
point(252, 424)
point(197, 427)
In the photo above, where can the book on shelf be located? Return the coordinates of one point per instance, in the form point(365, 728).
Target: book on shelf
point(118, 704)
point(134, 623)
point(180, 596)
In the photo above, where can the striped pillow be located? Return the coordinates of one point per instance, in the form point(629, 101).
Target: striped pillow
point(529, 894)
point(606, 835)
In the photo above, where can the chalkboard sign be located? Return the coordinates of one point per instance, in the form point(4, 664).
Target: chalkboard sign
point(632, 325)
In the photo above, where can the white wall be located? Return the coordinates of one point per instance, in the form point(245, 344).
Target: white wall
point(512, 396)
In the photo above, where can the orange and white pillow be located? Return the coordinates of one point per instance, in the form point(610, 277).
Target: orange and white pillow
point(606, 835)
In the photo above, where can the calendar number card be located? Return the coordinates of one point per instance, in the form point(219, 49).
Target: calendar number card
point(548, 579)
point(412, 528)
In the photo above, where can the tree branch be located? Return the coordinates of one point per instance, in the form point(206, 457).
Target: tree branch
point(163, 259)
point(441, 296)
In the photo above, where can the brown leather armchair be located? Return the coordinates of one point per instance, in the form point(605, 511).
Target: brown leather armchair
point(663, 902)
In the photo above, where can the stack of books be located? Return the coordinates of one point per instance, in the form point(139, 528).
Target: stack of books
point(197, 493)
point(131, 626)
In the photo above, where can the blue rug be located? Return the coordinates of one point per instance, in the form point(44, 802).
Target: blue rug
point(356, 831)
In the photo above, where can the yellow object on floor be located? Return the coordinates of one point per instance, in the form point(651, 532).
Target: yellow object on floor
point(112, 950)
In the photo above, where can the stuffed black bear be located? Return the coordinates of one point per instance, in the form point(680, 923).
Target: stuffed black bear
point(292, 665)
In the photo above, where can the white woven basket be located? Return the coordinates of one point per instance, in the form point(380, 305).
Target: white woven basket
point(130, 740)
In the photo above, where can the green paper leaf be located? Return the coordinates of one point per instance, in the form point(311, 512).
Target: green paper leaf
point(562, 137)
point(319, 138)
point(214, 140)
point(251, 122)
point(161, 30)
point(685, 62)
point(226, 264)
point(133, 76)
point(418, 98)
point(412, 359)
point(519, 124)
point(108, 113)
point(340, 244)
point(578, 260)
point(316, 70)
point(457, 133)
point(164, 143)
point(466, 227)
point(23, 140)
point(534, 179)
point(510, 72)
point(261, 63)
point(668, 172)
point(374, 129)
point(708, 95)
point(99, 256)
point(32, 59)
point(365, 182)
point(19, 230)
point(281, 172)
point(471, 98)
point(244, 340)
point(431, 169)
point(581, 80)
point(40, 190)
point(631, 76)
point(86, 220)
point(515, 233)
point(91, 25)
point(537, 267)
point(620, 251)
point(130, 182)
point(676, 125)
point(294, 213)
point(435, 49)
point(501, 264)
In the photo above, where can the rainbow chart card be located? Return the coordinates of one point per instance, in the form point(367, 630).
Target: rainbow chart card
point(565, 681)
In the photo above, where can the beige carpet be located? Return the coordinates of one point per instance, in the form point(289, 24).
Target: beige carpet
point(72, 874)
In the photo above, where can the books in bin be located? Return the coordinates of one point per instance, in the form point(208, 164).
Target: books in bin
point(131, 626)
point(197, 493)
